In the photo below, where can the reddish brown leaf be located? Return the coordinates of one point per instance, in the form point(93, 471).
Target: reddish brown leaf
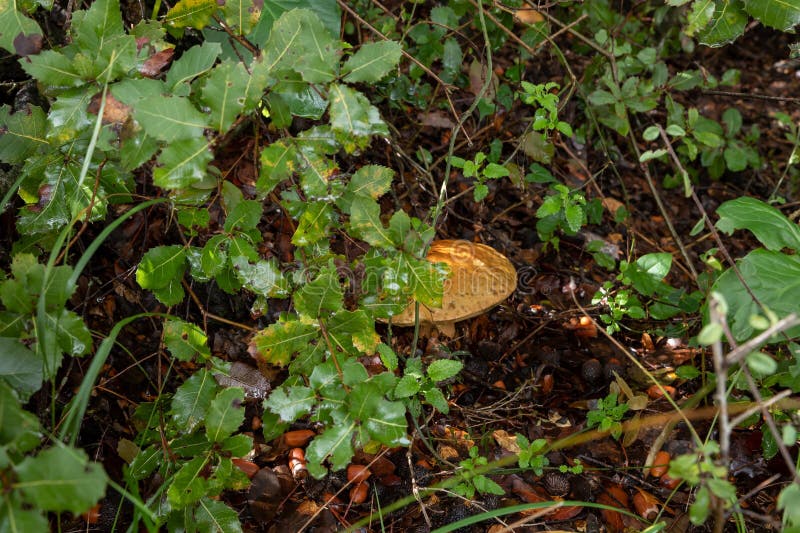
point(157, 63)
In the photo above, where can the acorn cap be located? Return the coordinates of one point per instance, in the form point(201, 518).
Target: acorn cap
point(480, 278)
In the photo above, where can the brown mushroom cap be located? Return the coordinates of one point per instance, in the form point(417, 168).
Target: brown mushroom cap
point(480, 278)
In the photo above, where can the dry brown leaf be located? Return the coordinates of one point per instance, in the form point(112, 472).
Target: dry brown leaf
point(506, 441)
point(528, 16)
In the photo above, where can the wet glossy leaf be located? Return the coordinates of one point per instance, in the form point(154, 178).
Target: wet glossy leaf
point(365, 222)
point(353, 118)
point(335, 444)
point(72, 335)
point(192, 400)
point(353, 330)
point(161, 266)
point(371, 181)
point(68, 115)
point(225, 414)
point(314, 224)
point(291, 403)
point(277, 164)
point(189, 485)
point(280, 341)
point(263, 277)
point(61, 479)
point(372, 62)
point(182, 163)
point(185, 340)
point(321, 296)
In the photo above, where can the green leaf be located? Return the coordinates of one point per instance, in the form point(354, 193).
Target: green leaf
point(161, 266)
point(493, 171)
point(185, 340)
point(761, 364)
point(245, 216)
point(264, 277)
point(365, 222)
point(771, 227)
point(774, 279)
point(727, 25)
point(487, 486)
point(314, 224)
point(647, 272)
point(194, 62)
point(443, 369)
point(782, 15)
point(224, 93)
point(335, 443)
point(191, 14)
point(213, 257)
point(353, 331)
point(372, 62)
point(280, 341)
point(371, 181)
point(52, 69)
point(298, 41)
point(427, 280)
point(353, 119)
point(189, 484)
point(225, 414)
point(21, 133)
point(68, 117)
point(170, 118)
point(211, 515)
point(388, 357)
point(14, 518)
point(699, 16)
point(19, 432)
point(291, 403)
point(435, 397)
point(17, 31)
point(182, 163)
point(61, 479)
point(407, 386)
point(602, 97)
point(277, 164)
point(700, 509)
point(192, 400)
point(241, 15)
point(237, 445)
point(72, 335)
point(20, 367)
point(327, 10)
point(98, 34)
point(322, 294)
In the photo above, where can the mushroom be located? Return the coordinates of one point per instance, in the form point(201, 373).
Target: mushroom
point(480, 278)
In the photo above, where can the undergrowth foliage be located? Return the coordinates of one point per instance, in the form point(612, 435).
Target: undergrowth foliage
point(117, 106)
